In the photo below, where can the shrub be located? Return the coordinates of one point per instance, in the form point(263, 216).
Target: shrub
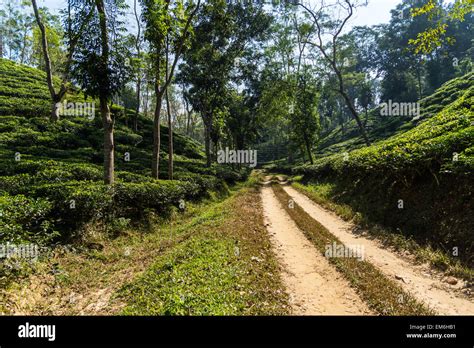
point(25, 219)
point(76, 203)
point(205, 183)
point(16, 184)
point(231, 175)
point(133, 177)
point(134, 199)
point(127, 137)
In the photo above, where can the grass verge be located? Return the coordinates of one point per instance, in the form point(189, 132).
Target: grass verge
point(380, 293)
point(227, 267)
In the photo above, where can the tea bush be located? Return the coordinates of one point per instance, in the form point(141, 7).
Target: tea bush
point(25, 219)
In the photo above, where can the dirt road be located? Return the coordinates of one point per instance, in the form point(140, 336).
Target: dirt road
point(314, 286)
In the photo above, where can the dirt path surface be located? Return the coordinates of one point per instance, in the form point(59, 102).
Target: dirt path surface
point(419, 280)
point(314, 286)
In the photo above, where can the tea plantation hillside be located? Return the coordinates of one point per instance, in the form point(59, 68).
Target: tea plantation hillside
point(51, 173)
point(419, 182)
point(380, 127)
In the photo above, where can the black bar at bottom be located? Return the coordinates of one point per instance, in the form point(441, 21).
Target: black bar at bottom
point(419, 331)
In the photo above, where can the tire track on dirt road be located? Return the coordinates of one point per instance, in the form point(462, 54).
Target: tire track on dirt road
point(314, 286)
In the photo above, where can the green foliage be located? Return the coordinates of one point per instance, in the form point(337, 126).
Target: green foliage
point(100, 75)
point(432, 38)
point(25, 219)
point(135, 199)
point(15, 30)
point(54, 36)
point(76, 203)
point(428, 40)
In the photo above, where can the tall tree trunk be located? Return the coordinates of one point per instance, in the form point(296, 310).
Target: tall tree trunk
point(107, 121)
point(137, 109)
point(366, 121)
point(109, 145)
point(188, 124)
point(354, 113)
point(308, 147)
point(350, 105)
point(170, 138)
point(145, 101)
point(139, 80)
point(215, 151)
point(168, 110)
point(49, 76)
point(331, 58)
point(207, 140)
point(23, 49)
point(156, 136)
point(1, 45)
point(160, 90)
point(55, 110)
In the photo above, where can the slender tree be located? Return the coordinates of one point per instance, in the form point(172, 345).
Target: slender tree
point(56, 97)
point(223, 34)
point(162, 20)
point(168, 111)
point(188, 109)
point(99, 64)
point(138, 47)
point(2, 31)
point(330, 51)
